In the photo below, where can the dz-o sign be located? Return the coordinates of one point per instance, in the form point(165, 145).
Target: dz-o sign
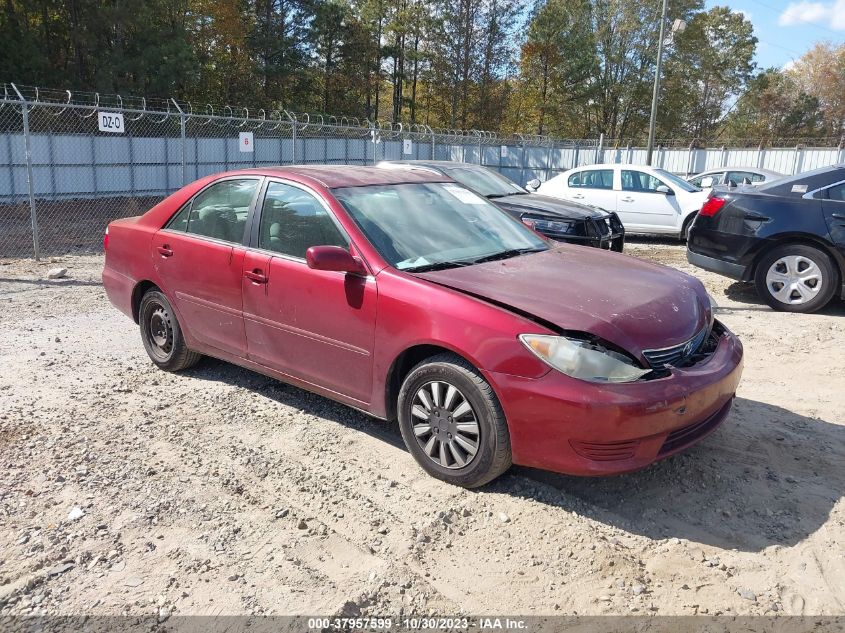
point(245, 141)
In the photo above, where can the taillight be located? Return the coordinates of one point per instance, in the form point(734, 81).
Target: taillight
point(711, 207)
point(106, 239)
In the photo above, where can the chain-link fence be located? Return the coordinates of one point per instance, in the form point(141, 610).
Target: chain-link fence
point(71, 164)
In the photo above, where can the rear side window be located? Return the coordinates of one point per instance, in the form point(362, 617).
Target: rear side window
point(837, 192)
point(219, 211)
point(639, 181)
point(293, 220)
point(592, 179)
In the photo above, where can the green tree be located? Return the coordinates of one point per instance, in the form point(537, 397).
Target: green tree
point(709, 65)
point(558, 64)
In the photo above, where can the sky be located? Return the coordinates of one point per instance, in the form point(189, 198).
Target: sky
point(788, 28)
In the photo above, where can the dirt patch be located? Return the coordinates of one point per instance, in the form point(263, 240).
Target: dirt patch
point(219, 491)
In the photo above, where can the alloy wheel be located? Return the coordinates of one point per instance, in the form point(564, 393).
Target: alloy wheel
point(445, 425)
point(794, 279)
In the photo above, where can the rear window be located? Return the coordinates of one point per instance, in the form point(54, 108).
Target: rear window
point(796, 186)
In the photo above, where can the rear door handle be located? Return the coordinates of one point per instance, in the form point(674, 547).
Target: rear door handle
point(627, 199)
point(756, 217)
point(838, 216)
point(256, 276)
point(165, 250)
point(578, 195)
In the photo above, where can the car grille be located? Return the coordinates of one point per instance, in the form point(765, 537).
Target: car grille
point(677, 354)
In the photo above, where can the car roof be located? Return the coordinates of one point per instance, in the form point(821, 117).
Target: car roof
point(427, 164)
point(333, 176)
point(758, 170)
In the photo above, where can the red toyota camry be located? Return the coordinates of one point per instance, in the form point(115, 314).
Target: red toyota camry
point(408, 296)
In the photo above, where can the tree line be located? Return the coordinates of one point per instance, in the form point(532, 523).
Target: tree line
point(568, 68)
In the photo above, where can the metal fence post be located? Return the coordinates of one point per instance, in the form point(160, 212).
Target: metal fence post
point(292, 139)
point(33, 215)
point(600, 149)
point(183, 145)
point(433, 145)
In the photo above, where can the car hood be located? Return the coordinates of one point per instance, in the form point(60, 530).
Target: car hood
point(549, 207)
point(635, 305)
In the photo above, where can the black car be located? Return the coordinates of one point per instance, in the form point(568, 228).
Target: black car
point(559, 220)
point(788, 236)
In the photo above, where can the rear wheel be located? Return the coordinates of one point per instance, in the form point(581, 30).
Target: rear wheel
point(796, 278)
point(161, 334)
point(452, 422)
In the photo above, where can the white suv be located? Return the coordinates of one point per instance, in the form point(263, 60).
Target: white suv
point(647, 200)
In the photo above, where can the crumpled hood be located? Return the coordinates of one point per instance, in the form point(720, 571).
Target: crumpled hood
point(547, 206)
point(634, 304)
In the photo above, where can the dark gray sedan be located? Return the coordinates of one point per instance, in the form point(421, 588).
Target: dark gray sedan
point(560, 220)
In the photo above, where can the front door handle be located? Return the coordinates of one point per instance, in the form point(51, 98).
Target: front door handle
point(256, 276)
point(165, 250)
point(838, 216)
point(628, 199)
point(578, 195)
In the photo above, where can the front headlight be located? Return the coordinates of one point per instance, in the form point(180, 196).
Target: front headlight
point(581, 359)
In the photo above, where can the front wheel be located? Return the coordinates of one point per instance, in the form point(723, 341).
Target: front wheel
point(796, 278)
point(685, 228)
point(452, 422)
point(161, 334)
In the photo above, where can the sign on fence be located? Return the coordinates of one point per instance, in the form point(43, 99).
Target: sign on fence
point(245, 142)
point(407, 147)
point(110, 122)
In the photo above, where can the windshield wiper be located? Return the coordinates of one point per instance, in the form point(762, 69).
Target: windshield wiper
point(425, 268)
point(491, 196)
point(514, 252)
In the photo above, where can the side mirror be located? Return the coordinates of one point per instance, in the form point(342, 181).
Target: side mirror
point(665, 190)
point(533, 184)
point(333, 258)
point(707, 182)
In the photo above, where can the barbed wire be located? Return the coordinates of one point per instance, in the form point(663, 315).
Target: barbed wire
point(312, 123)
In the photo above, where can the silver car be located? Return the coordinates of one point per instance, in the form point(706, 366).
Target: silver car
point(737, 175)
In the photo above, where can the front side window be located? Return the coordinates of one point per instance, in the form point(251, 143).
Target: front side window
point(592, 179)
point(639, 181)
point(707, 180)
point(219, 211)
point(293, 220)
point(419, 226)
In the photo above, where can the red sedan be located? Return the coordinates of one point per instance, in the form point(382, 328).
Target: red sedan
point(408, 296)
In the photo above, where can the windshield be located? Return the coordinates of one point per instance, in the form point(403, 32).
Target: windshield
point(422, 226)
point(485, 181)
point(676, 180)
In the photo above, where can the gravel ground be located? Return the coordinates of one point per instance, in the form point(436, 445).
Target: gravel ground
point(126, 490)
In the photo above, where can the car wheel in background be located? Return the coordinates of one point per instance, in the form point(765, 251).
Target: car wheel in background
point(162, 335)
point(685, 228)
point(796, 278)
point(452, 422)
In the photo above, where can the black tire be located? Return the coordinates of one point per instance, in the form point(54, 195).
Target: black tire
point(161, 334)
point(802, 254)
point(685, 228)
point(493, 454)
